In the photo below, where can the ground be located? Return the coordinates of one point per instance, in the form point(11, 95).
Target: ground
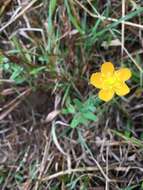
point(55, 132)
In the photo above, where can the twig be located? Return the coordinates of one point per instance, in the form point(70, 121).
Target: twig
point(17, 16)
point(108, 18)
point(87, 169)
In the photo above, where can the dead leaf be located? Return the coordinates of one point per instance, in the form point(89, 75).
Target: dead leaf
point(115, 42)
point(51, 115)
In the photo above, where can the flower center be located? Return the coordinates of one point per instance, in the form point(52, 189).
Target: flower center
point(110, 82)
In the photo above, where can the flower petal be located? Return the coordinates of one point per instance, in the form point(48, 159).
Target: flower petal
point(122, 89)
point(123, 74)
point(107, 69)
point(106, 95)
point(96, 80)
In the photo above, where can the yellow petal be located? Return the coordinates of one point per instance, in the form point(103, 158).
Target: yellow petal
point(96, 80)
point(123, 74)
point(107, 69)
point(106, 95)
point(122, 89)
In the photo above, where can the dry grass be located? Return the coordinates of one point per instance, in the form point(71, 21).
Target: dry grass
point(48, 49)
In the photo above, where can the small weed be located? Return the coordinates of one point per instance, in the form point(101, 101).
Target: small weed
point(82, 112)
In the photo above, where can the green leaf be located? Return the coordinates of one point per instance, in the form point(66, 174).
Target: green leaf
point(36, 71)
point(75, 122)
point(82, 112)
point(6, 66)
point(141, 136)
point(52, 7)
point(141, 185)
point(89, 104)
point(78, 119)
point(127, 134)
point(133, 140)
point(78, 104)
point(90, 116)
point(1, 179)
point(17, 71)
point(71, 109)
point(64, 111)
point(73, 18)
point(116, 23)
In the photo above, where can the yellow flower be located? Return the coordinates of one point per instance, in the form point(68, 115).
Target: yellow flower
point(111, 81)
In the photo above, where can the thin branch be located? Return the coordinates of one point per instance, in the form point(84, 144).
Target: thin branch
point(108, 18)
point(87, 169)
point(17, 16)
